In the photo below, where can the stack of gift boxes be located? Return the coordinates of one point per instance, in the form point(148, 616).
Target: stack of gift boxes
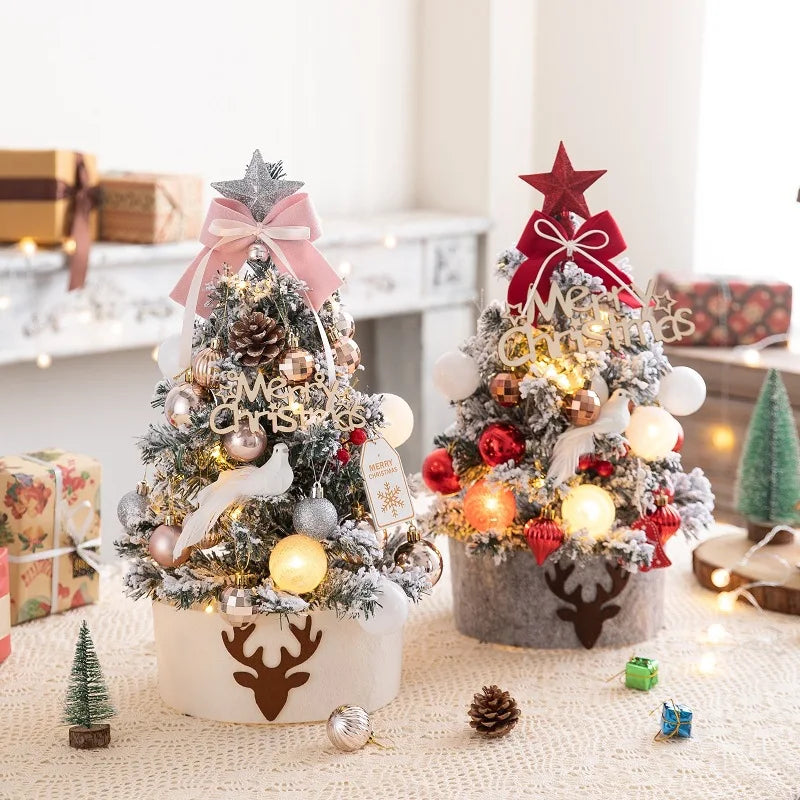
point(50, 532)
point(58, 198)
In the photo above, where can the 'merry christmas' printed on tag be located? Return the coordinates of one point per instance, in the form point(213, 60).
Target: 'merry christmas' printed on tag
point(385, 483)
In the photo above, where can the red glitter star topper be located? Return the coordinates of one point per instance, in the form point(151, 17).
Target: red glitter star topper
point(563, 187)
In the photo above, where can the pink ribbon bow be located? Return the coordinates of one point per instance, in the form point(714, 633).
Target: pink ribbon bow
point(229, 230)
point(287, 231)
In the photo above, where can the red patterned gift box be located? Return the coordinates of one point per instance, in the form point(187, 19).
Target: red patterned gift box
point(731, 311)
point(50, 521)
point(5, 607)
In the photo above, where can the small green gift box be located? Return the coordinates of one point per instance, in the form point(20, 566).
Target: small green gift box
point(641, 673)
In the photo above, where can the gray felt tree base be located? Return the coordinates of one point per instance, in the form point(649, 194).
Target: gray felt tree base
point(512, 603)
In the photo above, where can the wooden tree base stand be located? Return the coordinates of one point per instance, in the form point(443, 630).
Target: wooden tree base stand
point(724, 551)
point(85, 738)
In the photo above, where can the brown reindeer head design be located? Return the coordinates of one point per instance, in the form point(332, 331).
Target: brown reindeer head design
point(587, 616)
point(271, 685)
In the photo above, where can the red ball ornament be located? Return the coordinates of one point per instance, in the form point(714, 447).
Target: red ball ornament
point(343, 456)
point(544, 535)
point(501, 442)
point(605, 469)
point(586, 462)
point(679, 443)
point(358, 436)
point(660, 560)
point(665, 517)
point(489, 506)
point(438, 472)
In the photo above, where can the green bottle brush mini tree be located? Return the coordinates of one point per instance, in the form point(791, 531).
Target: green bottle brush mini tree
point(768, 482)
point(87, 702)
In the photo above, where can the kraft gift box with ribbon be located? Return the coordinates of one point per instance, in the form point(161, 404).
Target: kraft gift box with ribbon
point(147, 208)
point(50, 522)
point(5, 607)
point(50, 196)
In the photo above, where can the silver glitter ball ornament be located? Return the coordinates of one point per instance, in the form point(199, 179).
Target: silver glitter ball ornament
point(344, 323)
point(180, 401)
point(245, 445)
point(132, 507)
point(347, 354)
point(236, 605)
point(257, 252)
point(315, 516)
point(349, 728)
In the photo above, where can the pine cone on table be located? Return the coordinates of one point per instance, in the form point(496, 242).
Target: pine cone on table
point(493, 713)
point(257, 339)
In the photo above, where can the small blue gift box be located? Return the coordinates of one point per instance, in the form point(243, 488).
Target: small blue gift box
point(676, 721)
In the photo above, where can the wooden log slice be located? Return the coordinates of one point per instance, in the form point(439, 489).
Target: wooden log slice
point(85, 738)
point(723, 552)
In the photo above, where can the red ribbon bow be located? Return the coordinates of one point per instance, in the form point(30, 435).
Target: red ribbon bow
point(546, 243)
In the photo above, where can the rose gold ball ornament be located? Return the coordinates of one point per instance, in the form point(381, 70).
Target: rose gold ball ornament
point(236, 605)
point(344, 323)
point(205, 365)
point(180, 401)
point(347, 354)
point(245, 445)
point(582, 407)
point(162, 543)
point(419, 552)
point(296, 365)
point(504, 388)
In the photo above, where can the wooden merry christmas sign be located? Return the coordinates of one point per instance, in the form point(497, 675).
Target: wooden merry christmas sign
point(289, 406)
point(596, 322)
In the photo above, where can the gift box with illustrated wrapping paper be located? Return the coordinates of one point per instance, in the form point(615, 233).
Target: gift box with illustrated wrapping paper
point(50, 196)
point(50, 522)
point(641, 673)
point(150, 208)
point(731, 311)
point(5, 607)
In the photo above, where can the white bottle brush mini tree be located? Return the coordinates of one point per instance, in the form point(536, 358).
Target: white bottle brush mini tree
point(257, 500)
point(564, 439)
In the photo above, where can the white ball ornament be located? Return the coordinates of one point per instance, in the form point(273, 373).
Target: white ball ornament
point(682, 391)
point(456, 375)
point(652, 432)
point(588, 507)
point(169, 357)
point(398, 419)
point(390, 612)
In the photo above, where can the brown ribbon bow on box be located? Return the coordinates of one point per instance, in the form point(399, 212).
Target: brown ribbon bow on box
point(84, 198)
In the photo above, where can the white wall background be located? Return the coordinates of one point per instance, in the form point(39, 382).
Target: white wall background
point(196, 86)
point(378, 105)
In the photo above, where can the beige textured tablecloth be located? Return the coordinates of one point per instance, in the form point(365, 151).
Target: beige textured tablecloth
point(579, 737)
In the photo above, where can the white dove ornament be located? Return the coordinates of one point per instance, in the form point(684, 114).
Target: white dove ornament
point(233, 486)
point(574, 442)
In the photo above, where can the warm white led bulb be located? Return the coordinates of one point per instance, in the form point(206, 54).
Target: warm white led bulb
point(43, 360)
point(720, 578)
point(726, 601)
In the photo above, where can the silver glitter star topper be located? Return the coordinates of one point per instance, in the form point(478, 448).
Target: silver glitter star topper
point(260, 188)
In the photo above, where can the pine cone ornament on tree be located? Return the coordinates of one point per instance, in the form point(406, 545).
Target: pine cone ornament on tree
point(493, 712)
point(257, 339)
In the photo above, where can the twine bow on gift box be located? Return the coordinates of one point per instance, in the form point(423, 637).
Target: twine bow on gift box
point(66, 520)
point(591, 247)
point(287, 232)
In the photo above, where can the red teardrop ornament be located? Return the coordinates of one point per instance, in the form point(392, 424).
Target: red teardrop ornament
point(666, 516)
point(544, 536)
point(660, 560)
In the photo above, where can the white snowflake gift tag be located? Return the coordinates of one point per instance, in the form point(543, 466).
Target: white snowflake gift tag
point(385, 482)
